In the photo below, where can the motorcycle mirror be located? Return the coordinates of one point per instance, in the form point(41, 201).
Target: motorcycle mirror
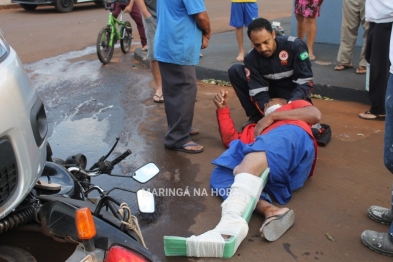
point(145, 173)
point(145, 201)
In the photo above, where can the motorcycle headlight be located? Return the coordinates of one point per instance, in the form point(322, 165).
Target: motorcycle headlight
point(4, 47)
point(118, 253)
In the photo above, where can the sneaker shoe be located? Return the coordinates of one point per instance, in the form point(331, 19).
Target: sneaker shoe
point(252, 120)
point(380, 214)
point(377, 242)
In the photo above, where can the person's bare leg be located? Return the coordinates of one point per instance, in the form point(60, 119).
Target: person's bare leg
point(267, 210)
point(311, 31)
point(256, 163)
point(239, 38)
point(274, 225)
point(155, 70)
point(253, 163)
point(300, 26)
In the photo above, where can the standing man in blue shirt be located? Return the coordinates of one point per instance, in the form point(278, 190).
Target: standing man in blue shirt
point(183, 28)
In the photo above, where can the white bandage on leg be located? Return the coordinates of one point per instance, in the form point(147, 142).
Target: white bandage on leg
point(211, 244)
point(243, 190)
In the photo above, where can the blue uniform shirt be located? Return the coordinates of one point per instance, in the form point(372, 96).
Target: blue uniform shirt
point(286, 74)
point(178, 39)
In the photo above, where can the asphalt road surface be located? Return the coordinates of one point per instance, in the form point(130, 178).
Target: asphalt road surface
point(89, 105)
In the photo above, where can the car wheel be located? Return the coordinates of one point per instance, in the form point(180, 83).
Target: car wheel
point(28, 7)
point(64, 6)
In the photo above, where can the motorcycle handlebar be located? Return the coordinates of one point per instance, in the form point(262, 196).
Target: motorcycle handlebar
point(121, 157)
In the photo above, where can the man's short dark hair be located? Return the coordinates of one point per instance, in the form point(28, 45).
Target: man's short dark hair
point(259, 24)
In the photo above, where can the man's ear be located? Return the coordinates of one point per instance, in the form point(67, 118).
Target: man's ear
point(274, 34)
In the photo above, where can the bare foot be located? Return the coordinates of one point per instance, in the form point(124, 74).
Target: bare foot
point(240, 57)
point(312, 57)
point(192, 146)
point(275, 211)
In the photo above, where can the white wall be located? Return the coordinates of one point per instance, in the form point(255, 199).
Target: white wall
point(6, 2)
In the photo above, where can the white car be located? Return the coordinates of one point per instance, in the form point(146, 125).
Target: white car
point(62, 6)
point(23, 131)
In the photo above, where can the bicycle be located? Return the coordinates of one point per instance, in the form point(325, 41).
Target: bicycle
point(109, 35)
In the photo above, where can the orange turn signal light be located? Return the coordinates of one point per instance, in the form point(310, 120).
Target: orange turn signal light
point(85, 224)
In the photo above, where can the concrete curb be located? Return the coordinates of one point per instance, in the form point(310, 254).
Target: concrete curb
point(334, 92)
point(10, 6)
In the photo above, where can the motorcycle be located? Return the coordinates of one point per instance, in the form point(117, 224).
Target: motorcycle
point(61, 215)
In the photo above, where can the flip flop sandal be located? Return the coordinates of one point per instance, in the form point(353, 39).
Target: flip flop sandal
point(370, 116)
point(160, 99)
point(183, 148)
point(341, 67)
point(361, 70)
point(194, 131)
point(275, 226)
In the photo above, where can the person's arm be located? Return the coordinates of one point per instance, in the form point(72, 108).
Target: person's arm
point(302, 72)
point(128, 8)
point(203, 22)
point(142, 6)
point(226, 126)
point(309, 114)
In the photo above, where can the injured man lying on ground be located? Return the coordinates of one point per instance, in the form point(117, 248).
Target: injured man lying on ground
point(282, 143)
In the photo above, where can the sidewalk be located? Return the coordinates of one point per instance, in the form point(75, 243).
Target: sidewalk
point(341, 85)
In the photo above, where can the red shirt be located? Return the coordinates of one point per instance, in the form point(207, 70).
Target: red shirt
point(228, 131)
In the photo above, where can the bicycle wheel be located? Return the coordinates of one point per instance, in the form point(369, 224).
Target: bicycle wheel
point(104, 51)
point(125, 41)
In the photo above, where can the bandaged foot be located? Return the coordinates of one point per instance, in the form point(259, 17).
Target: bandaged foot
point(246, 189)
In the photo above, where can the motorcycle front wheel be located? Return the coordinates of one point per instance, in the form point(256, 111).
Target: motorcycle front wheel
point(12, 254)
point(104, 51)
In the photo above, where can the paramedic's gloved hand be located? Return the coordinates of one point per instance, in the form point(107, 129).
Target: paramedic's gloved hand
point(221, 99)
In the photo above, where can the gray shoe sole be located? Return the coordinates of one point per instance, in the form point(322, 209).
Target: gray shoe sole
point(274, 229)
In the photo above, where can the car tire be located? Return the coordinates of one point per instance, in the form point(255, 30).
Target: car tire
point(28, 7)
point(64, 6)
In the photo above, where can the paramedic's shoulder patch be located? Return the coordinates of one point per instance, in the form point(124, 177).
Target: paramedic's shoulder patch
point(304, 55)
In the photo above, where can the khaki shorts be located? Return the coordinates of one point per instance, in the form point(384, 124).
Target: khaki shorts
point(150, 30)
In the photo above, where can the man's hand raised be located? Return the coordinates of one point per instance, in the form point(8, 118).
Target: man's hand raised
point(221, 99)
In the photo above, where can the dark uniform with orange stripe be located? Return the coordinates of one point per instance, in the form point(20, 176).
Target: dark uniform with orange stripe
point(286, 74)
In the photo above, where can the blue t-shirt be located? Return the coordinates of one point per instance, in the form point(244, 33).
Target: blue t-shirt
point(178, 39)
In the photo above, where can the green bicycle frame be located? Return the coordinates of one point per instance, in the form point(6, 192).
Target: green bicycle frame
point(112, 21)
